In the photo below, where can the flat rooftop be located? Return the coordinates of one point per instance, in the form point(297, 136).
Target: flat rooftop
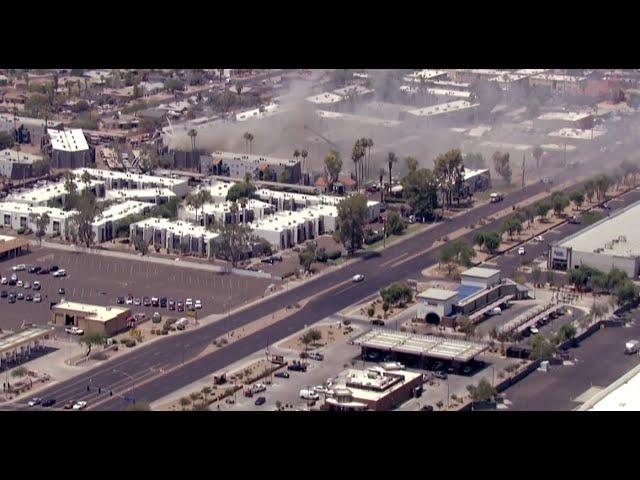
point(427, 74)
point(49, 192)
point(624, 398)
point(437, 294)
point(254, 159)
point(358, 118)
point(96, 312)
point(565, 116)
point(578, 134)
point(443, 108)
point(27, 209)
point(480, 272)
point(554, 77)
point(325, 98)
point(68, 140)
point(506, 146)
point(177, 227)
point(14, 156)
point(425, 345)
point(374, 383)
point(353, 90)
point(132, 177)
point(617, 235)
point(16, 339)
point(142, 193)
point(120, 211)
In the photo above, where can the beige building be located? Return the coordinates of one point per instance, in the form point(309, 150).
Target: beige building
point(91, 318)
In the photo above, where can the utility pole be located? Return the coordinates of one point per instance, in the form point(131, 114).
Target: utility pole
point(523, 170)
point(565, 154)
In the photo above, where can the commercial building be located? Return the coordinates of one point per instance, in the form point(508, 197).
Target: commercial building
point(123, 180)
point(613, 242)
point(11, 247)
point(174, 236)
point(480, 290)
point(476, 180)
point(105, 225)
point(372, 389)
point(92, 318)
point(257, 166)
point(19, 215)
point(557, 120)
point(20, 343)
point(19, 165)
point(354, 91)
point(564, 84)
point(69, 149)
point(578, 135)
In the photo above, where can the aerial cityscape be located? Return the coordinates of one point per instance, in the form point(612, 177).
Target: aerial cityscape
point(219, 240)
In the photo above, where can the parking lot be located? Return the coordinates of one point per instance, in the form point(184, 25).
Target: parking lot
point(98, 279)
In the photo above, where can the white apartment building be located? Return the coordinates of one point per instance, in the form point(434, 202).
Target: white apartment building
point(175, 236)
point(122, 180)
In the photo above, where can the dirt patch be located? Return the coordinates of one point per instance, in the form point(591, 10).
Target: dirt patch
point(330, 334)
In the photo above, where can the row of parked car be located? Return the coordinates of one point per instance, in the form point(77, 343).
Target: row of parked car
point(50, 402)
point(162, 302)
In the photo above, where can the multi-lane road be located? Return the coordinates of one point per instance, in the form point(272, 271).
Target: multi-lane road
point(169, 364)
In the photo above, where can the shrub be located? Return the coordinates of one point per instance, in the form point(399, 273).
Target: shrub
point(321, 255)
point(156, 320)
point(129, 343)
point(223, 341)
point(336, 254)
point(195, 396)
point(184, 401)
point(439, 404)
point(371, 311)
point(346, 322)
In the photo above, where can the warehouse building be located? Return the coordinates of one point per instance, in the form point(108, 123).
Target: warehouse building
point(92, 318)
point(69, 149)
point(613, 242)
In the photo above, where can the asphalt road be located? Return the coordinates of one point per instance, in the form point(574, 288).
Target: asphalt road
point(138, 374)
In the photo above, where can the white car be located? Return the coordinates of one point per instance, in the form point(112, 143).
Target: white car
point(198, 305)
point(258, 387)
point(20, 283)
point(37, 298)
point(358, 278)
point(19, 268)
point(81, 405)
point(321, 389)
point(538, 238)
point(4, 281)
point(74, 331)
point(129, 300)
point(534, 330)
point(521, 251)
point(34, 401)
point(60, 273)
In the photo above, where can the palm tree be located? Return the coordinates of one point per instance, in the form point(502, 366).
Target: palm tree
point(296, 154)
point(246, 136)
point(250, 139)
point(356, 156)
point(204, 196)
point(304, 154)
point(70, 187)
point(195, 201)
point(391, 159)
point(382, 172)
point(193, 134)
point(369, 146)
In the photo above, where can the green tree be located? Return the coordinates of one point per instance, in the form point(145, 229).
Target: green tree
point(391, 160)
point(6, 140)
point(420, 190)
point(141, 245)
point(307, 257)
point(541, 348)
point(240, 190)
point(173, 84)
point(479, 238)
point(357, 154)
point(512, 225)
point(466, 326)
point(233, 240)
point(87, 210)
point(550, 276)
point(475, 161)
point(285, 177)
point(559, 202)
point(627, 294)
point(537, 154)
point(492, 241)
point(91, 339)
point(449, 170)
point(396, 293)
point(42, 222)
point(502, 167)
point(590, 189)
point(536, 275)
point(70, 188)
point(542, 209)
point(412, 164)
point(395, 224)
point(483, 392)
point(19, 372)
point(577, 197)
point(352, 217)
point(457, 252)
point(567, 331)
point(332, 167)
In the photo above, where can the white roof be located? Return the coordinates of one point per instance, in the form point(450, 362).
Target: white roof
point(618, 234)
point(49, 192)
point(506, 146)
point(565, 116)
point(488, 72)
point(578, 134)
point(26, 209)
point(68, 140)
point(438, 294)
point(96, 312)
point(531, 71)
point(352, 90)
point(255, 113)
point(553, 147)
point(138, 193)
point(255, 159)
point(554, 77)
point(326, 97)
point(427, 74)
point(358, 118)
point(624, 398)
point(14, 156)
point(120, 211)
point(442, 108)
point(470, 173)
point(481, 272)
point(139, 178)
point(177, 227)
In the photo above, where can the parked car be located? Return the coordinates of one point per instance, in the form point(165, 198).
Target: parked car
point(26, 286)
point(20, 296)
point(12, 298)
point(60, 273)
point(53, 268)
point(20, 283)
point(81, 405)
point(281, 374)
point(198, 305)
point(14, 277)
point(534, 330)
point(61, 291)
point(28, 298)
point(49, 402)
point(19, 268)
point(309, 394)
point(440, 375)
point(574, 220)
point(377, 322)
point(163, 302)
point(69, 405)
point(4, 294)
point(631, 347)
point(155, 302)
point(538, 238)
point(35, 269)
point(37, 285)
point(180, 306)
point(172, 304)
point(44, 271)
point(521, 251)
point(129, 300)
point(74, 331)
point(427, 408)
point(4, 281)
point(146, 301)
point(316, 356)
point(358, 278)
point(267, 260)
point(137, 302)
point(120, 300)
point(37, 298)
point(260, 401)
point(34, 401)
point(297, 367)
point(156, 316)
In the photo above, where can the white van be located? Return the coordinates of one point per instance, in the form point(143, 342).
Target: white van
point(631, 347)
point(309, 395)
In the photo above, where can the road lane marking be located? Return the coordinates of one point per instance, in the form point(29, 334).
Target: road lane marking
point(394, 259)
